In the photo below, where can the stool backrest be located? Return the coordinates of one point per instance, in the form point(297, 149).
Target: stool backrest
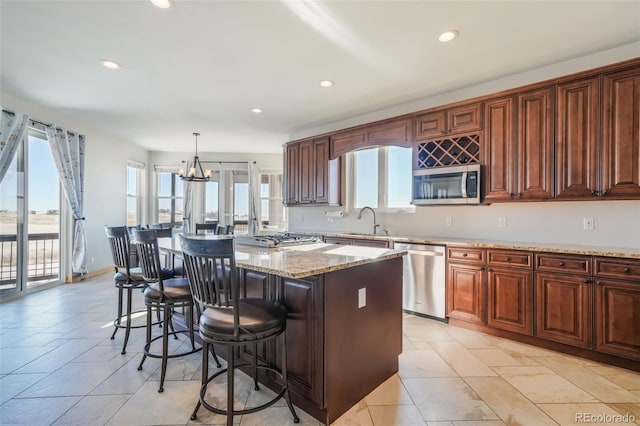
point(118, 238)
point(164, 230)
point(211, 270)
point(146, 241)
point(206, 227)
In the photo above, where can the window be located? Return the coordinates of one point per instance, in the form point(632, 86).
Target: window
point(381, 178)
point(272, 213)
point(134, 192)
point(212, 201)
point(169, 197)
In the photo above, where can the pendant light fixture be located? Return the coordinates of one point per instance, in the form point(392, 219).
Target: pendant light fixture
point(195, 172)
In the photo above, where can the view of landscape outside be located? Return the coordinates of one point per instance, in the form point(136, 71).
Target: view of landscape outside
point(41, 215)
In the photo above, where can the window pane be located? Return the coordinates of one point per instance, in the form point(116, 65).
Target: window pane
point(132, 187)
point(264, 215)
point(264, 190)
point(179, 186)
point(164, 210)
point(132, 218)
point(399, 177)
point(366, 178)
point(164, 184)
point(211, 201)
point(240, 202)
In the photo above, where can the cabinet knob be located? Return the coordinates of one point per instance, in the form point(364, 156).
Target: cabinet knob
point(587, 281)
point(599, 282)
point(464, 255)
point(561, 264)
point(508, 259)
point(627, 270)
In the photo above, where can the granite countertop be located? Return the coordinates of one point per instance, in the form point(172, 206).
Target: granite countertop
point(299, 261)
point(623, 252)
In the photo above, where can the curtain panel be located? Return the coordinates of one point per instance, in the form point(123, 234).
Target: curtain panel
point(68, 149)
point(12, 129)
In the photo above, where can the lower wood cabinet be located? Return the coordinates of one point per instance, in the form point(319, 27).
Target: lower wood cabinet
point(466, 292)
point(510, 299)
point(562, 308)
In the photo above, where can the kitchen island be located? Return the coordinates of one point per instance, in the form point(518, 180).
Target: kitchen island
point(344, 331)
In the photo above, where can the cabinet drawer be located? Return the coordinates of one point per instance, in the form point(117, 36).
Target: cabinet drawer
point(464, 254)
point(626, 269)
point(510, 258)
point(572, 264)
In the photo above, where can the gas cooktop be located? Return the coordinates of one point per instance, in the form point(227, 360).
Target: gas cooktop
point(283, 239)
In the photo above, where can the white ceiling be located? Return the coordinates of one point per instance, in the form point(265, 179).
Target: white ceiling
point(203, 65)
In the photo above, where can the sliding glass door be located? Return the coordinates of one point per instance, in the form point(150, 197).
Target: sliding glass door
point(30, 218)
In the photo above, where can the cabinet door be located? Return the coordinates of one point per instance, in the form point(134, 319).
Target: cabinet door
point(320, 177)
point(257, 285)
point(431, 125)
point(577, 126)
point(535, 144)
point(307, 172)
point(510, 299)
point(292, 159)
point(618, 318)
point(304, 300)
point(466, 293)
point(562, 308)
point(621, 134)
point(465, 118)
point(499, 148)
point(394, 133)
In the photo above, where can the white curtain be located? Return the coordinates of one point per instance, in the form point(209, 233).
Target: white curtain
point(254, 199)
point(68, 154)
point(12, 130)
point(186, 217)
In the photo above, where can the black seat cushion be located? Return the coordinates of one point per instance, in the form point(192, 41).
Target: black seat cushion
point(257, 317)
point(121, 278)
point(176, 290)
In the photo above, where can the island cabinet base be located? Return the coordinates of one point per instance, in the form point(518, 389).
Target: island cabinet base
point(344, 333)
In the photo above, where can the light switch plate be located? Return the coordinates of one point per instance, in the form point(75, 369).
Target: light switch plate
point(362, 297)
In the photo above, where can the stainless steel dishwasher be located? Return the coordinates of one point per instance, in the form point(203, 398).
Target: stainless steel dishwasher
point(423, 280)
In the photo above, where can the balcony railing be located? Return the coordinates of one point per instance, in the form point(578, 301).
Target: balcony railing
point(43, 255)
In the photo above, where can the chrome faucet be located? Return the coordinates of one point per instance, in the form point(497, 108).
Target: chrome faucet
point(375, 225)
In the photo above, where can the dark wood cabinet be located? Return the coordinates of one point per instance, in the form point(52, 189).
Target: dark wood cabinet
point(363, 242)
point(535, 144)
point(311, 177)
point(577, 132)
point(510, 291)
point(466, 286)
point(438, 123)
point(499, 149)
point(563, 299)
point(617, 307)
point(395, 132)
point(621, 134)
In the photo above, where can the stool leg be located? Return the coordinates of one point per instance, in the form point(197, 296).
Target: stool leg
point(230, 385)
point(148, 345)
point(285, 377)
point(190, 319)
point(116, 323)
point(165, 347)
point(204, 374)
point(127, 330)
point(167, 317)
point(254, 365)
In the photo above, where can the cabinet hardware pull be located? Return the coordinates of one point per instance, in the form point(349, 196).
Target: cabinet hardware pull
point(508, 259)
point(627, 269)
point(599, 282)
point(561, 264)
point(587, 281)
point(464, 255)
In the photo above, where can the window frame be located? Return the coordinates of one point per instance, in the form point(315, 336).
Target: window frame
point(139, 168)
point(173, 197)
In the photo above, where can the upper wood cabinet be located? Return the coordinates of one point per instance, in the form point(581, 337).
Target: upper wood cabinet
point(311, 178)
point(535, 144)
point(439, 123)
point(499, 149)
point(396, 132)
point(577, 128)
point(621, 134)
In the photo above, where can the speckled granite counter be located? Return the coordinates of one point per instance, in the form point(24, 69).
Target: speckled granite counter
point(299, 261)
point(623, 252)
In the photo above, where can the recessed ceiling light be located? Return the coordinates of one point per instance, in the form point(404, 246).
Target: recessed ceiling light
point(326, 83)
point(162, 4)
point(447, 36)
point(256, 110)
point(110, 64)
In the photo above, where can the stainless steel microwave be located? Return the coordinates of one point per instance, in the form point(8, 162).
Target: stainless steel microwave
point(451, 185)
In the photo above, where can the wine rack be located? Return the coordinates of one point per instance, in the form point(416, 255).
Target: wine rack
point(451, 151)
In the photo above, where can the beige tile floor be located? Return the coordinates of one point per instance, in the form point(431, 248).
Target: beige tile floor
point(59, 367)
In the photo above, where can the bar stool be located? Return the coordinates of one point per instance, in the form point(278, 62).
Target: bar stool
point(164, 294)
point(206, 227)
point(125, 278)
point(229, 321)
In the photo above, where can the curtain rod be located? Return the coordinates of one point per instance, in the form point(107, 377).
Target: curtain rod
point(31, 120)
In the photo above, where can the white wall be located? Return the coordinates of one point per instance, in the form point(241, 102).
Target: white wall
point(105, 175)
point(617, 223)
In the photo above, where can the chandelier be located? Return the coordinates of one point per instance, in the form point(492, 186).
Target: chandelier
point(195, 172)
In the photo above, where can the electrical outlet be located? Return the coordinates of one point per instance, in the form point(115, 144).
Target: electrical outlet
point(448, 221)
point(362, 297)
point(502, 222)
point(587, 223)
